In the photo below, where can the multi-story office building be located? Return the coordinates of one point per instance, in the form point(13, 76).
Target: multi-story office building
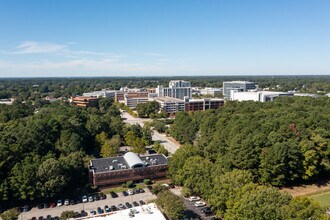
point(84, 101)
point(238, 86)
point(260, 96)
point(192, 105)
point(120, 95)
point(169, 105)
point(102, 93)
point(177, 89)
point(133, 102)
point(116, 170)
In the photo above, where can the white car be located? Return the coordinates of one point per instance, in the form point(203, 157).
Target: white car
point(90, 199)
point(59, 203)
point(194, 198)
point(84, 199)
point(200, 204)
point(130, 192)
point(66, 202)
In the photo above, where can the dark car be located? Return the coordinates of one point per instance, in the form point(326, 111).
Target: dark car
point(83, 213)
point(99, 210)
point(34, 218)
point(56, 218)
point(207, 210)
point(137, 191)
point(150, 188)
point(172, 186)
point(142, 191)
point(124, 193)
point(49, 217)
point(72, 202)
point(96, 197)
point(25, 208)
point(41, 218)
point(40, 206)
point(121, 206)
point(141, 202)
point(113, 208)
point(45, 205)
point(103, 196)
point(128, 205)
point(107, 209)
point(135, 204)
point(113, 194)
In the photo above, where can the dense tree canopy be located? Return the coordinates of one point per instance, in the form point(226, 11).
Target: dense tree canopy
point(43, 152)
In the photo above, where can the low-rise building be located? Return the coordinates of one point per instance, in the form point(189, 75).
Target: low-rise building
point(133, 102)
point(120, 95)
point(117, 170)
point(102, 93)
point(84, 101)
point(212, 91)
point(260, 96)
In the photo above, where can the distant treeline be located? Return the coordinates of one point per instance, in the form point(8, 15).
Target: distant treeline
point(37, 88)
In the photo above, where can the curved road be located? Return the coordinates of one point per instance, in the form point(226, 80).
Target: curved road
point(170, 145)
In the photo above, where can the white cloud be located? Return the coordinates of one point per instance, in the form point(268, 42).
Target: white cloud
point(31, 47)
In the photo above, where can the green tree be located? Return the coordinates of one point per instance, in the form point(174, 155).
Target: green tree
point(67, 215)
point(11, 214)
point(174, 209)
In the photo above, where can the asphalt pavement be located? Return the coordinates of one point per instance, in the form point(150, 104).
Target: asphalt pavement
point(56, 211)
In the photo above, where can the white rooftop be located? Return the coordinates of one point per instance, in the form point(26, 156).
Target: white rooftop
point(145, 212)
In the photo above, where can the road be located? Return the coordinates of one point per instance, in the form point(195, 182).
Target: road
point(56, 211)
point(170, 145)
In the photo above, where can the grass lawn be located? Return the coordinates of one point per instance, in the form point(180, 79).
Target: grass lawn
point(322, 198)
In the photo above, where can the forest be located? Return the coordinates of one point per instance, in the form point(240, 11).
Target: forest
point(44, 151)
point(240, 152)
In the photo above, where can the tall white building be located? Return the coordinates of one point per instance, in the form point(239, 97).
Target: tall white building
point(238, 86)
point(177, 89)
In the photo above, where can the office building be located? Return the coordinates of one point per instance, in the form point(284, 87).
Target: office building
point(260, 96)
point(84, 101)
point(192, 105)
point(133, 102)
point(117, 170)
point(102, 93)
point(169, 105)
point(177, 89)
point(238, 86)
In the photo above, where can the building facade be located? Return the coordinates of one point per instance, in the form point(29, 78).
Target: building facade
point(169, 105)
point(84, 101)
point(117, 170)
point(192, 105)
point(177, 89)
point(260, 96)
point(238, 86)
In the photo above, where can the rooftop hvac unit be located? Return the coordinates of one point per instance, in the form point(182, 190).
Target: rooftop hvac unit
point(147, 158)
point(114, 161)
point(123, 167)
point(111, 167)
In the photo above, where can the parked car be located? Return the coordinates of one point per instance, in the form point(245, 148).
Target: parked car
point(136, 191)
point(96, 197)
point(141, 202)
point(99, 210)
point(128, 205)
point(121, 206)
point(72, 202)
point(135, 204)
point(113, 208)
point(25, 208)
point(150, 189)
point(49, 217)
point(113, 194)
point(34, 218)
point(103, 196)
point(45, 205)
point(59, 203)
point(52, 205)
point(77, 215)
point(92, 212)
point(41, 218)
point(194, 198)
point(90, 199)
point(84, 199)
point(142, 191)
point(207, 210)
point(66, 202)
point(199, 204)
point(107, 209)
point(83, 213)
point(40, 206)
point(125, 193)
point(130, 192)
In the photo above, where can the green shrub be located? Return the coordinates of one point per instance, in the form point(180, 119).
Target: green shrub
point(129, 184)
point(11, 214)
point(147, 181)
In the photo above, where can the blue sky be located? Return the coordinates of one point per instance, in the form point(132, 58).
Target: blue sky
point(164, 37)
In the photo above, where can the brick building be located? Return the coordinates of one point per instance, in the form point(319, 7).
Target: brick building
point(85, 101)
point(117, 170)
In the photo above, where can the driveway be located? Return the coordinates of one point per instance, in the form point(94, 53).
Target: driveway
point(35, 212)
point(170, 145)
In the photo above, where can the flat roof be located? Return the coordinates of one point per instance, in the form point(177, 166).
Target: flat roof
point(146, 212)
point(167, 99)
point(120, 163)
point(206, 99)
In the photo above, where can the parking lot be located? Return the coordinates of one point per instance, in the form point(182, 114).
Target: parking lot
point(56, 211)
